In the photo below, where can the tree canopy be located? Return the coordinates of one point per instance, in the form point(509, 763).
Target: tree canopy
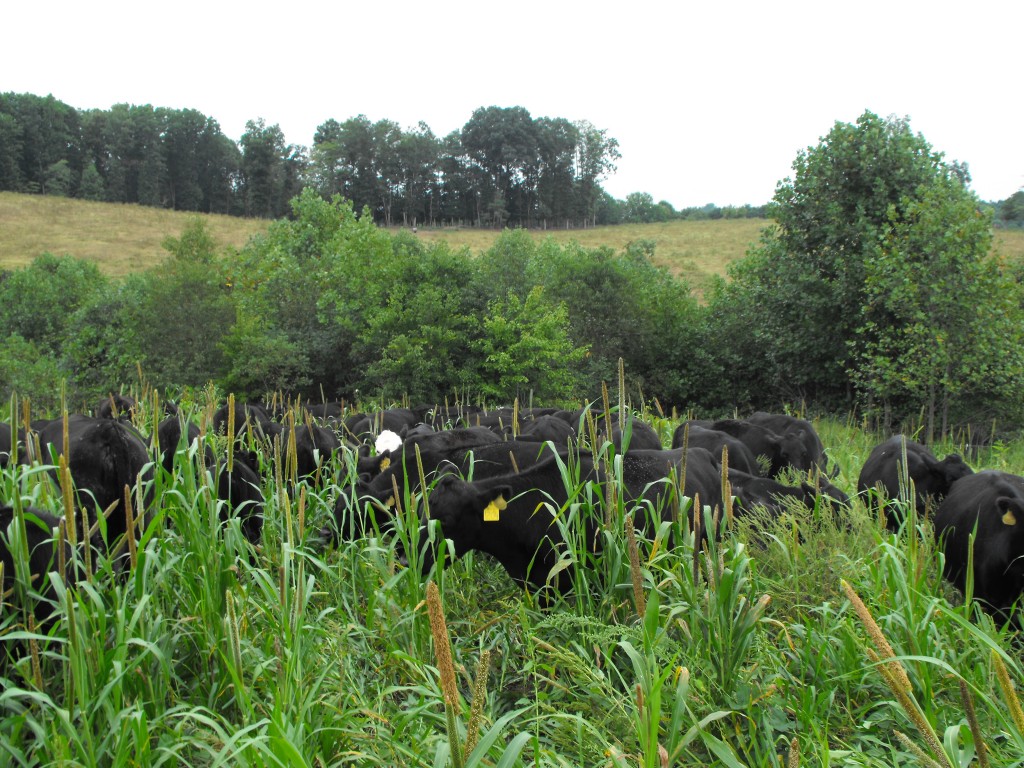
point(871, 286)
point(504, 167)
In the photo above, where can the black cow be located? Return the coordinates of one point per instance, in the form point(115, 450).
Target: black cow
point(642, 435)
point(813, 455)
point(547, 427)
point(442, 443)
point(779, 451)
point(415, 432)
point(510, 517)
point(247, 416)
point(241, 490)
point(372, 497)
point(434, 447)
point(169, 440)
point(43, 558)
point(314, 447)
point(932, 478)
point(990, 506)
point(740, 456)
point(114, 406)
point(104, 456)
point(756, 491)
point(326, 412)
point(447, 416)
point(366, 426)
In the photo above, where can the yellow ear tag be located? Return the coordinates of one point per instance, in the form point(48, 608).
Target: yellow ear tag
point(491, 510)
point(1008, 518)
point(385, 463)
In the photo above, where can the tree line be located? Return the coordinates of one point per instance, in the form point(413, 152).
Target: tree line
point(503, 167)
point(1010, 212)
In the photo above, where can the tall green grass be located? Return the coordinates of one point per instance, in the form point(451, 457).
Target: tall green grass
point(670, 649)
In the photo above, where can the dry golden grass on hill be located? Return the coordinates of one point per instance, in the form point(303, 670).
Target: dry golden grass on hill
point(119, 238)
point(1009, 244)
point(127, 238)
point(690, 250)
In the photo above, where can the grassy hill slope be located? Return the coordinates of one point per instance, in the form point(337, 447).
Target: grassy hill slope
point(119, 238)
point(127, 238)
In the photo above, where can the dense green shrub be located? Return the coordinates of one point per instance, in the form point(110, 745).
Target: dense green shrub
point(417, 342)
point(30, 372)
point(183, 312)
point(39, 301)
point(308, 286)
point(103, 351)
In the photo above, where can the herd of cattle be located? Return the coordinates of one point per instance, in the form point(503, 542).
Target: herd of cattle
point(497, 480)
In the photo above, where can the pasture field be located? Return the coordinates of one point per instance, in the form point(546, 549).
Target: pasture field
point(750, 651)
point(127, 238)
point(691, 250)
point(120, 238)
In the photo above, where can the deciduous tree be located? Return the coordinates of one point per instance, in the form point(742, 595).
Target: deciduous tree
point(526, 352)
point(803, 286)
point(940, 320)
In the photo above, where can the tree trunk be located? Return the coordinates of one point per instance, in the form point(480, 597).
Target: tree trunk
point(945, 403)
point(930, 431)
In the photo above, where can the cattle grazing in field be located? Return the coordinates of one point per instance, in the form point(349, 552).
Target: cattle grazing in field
point(40, 542)
point(169, 440)
point(310, 447)
point(635, 435)
point(114, 406)
point(931, 477)
point(547, 428)
point(692, 435)
point(325, 412)
point(640, 434)
point(240, 489)
point(104, 456)
point(778, 451)
point(369, 503)
point(791, 428)
point(247, 416)
point(433, 448)
point(361, 427)
point(510, 516)
point(498, 420)
point(756, 491)
point(445, 416)
point(989, 506)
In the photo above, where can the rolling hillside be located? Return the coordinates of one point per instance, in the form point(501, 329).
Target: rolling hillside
point(127, 238)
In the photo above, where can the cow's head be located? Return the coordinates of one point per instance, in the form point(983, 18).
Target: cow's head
point(464, 512)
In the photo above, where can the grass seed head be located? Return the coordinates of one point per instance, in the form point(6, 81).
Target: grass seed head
point(442, 646)
point(1006, 684)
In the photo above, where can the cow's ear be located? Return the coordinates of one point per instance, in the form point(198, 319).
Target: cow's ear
point(1009, 508)
point(915, 460)
point(492, 512)
point(385, 461)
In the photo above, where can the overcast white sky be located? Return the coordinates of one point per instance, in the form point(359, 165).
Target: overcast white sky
point(710, 101)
